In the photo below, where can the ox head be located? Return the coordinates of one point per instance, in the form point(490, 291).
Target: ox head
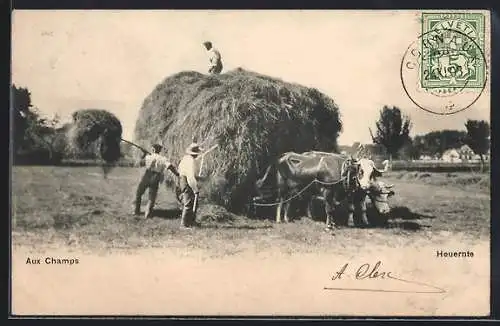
point(379, 193)
point(368, 172)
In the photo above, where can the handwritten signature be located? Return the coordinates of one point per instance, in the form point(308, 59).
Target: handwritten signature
point(366, 271)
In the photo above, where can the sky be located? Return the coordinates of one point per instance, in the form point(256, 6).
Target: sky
point(113, 60)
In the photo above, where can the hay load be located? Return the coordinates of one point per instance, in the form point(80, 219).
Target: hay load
point(253, 118)
point(97, 130)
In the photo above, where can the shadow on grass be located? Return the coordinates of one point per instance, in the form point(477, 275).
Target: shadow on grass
point(407, 226)
point(238, 227)
point(400, 217)
point(261, 213)
point(295, 212)
point(405, 213)
point(168, 214)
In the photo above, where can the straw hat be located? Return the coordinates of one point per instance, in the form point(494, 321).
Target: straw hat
point(194, 149)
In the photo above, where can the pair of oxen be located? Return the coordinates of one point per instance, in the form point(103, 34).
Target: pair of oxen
point(332, 178)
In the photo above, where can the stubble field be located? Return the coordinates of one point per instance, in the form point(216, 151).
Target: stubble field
point(77, 207)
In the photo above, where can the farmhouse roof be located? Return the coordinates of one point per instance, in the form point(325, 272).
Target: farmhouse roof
point(451, 152)
point(466, 148)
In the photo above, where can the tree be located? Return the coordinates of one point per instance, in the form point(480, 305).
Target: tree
point(478, 137)
point(417, 148)
point(392, 130)
point(22, 114)
point(31, 132)
point(406, 151)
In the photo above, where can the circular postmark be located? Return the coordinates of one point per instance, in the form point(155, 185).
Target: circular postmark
point(444, 71)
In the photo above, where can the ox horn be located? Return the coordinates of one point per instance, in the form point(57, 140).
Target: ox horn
point(386, 166)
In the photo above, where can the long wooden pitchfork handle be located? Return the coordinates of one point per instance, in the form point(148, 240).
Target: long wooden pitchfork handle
point(203, 157)
point(139, 147)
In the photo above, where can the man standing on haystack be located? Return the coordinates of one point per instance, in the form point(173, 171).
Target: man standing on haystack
point(215, 61)
point(155, 164)
point(188, 185)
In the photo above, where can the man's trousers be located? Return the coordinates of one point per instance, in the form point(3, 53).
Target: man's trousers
point(187, 198)
point(150, 180)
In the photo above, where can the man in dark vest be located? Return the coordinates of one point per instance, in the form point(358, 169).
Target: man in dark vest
point(155, 165)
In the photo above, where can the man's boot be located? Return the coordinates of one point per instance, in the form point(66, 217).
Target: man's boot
point(137, 208)
point(193, 220)
point(185, 219)
point(149, 210)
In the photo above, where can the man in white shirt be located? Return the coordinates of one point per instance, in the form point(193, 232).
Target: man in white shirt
point(214, 58)
point(189, 185)
point(156, 165)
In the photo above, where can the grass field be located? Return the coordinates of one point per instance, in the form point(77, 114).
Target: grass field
point(440, 166)
point(76, 206)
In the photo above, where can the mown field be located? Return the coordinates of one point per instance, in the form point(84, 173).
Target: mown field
point(76, 207)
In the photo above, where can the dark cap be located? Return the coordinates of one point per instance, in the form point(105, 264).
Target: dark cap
point(157, 147)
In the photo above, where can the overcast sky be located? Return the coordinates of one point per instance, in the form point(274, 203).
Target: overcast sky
point(114, 59)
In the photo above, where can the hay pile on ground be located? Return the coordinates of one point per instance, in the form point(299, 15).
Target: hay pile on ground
point(99, 128)
point(253, 118)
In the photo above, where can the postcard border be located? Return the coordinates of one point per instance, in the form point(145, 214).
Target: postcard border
point(158, 4)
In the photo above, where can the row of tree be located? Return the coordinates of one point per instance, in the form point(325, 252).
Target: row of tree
point(37, 139)
point(33, 135)
point(393, 129)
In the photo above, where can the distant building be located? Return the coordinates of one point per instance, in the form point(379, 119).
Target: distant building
point(466, 153)
point(486, 157)
point(425, 157)
point(451, 155)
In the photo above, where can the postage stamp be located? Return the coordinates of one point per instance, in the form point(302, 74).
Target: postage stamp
point(452, 50)
point(445, 69)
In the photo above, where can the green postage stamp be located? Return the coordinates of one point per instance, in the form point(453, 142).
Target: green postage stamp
point(453, 50)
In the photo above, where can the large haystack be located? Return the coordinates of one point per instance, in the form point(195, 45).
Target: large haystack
point(253, 118)
point(95, 130)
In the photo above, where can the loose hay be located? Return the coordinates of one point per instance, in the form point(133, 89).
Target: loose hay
point(98, 131)
point(253, 118)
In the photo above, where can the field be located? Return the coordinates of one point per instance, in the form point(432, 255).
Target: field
point(73, 209)
point(76, 204)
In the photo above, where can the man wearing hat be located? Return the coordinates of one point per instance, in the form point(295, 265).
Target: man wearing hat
point(188, 184)
point(215, 61)
point(156, 165)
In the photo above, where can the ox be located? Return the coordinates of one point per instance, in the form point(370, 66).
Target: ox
point(365, 175)
point(332, 177)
